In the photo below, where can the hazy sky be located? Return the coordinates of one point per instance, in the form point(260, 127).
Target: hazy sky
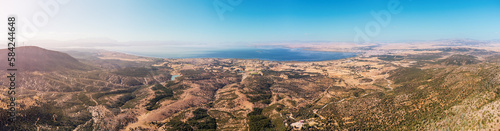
point(252, 20)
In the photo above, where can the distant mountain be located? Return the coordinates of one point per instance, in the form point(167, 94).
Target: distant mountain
point(32, 58)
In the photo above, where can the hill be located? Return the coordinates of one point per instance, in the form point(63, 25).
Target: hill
point(32, 58)
point(459, 60)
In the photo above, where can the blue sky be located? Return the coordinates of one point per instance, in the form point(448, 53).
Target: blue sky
point(260, 20)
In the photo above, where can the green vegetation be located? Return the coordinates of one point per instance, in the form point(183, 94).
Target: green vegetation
point(409, 74)
point(357, 91)
point(459, 60)
point(124, 96)
point(426, 56)
point(133, 71)
point(85, 99)
point(457, 49)
point(198, 74)
point(263, 97)
point(200, 121)
point(258, 122)
point(294, 103)
point(178, 125)
point(124, 91)
point(389, 57)
point(365, 80)
point(162, 89)
point(227, 96)
point(420, 98)
point(135, 101)
point(161, 92)
point(290, 74)
point(276, 119)
point(260, 89)
point(121, 100)
point(305, 112)
point(132, 82)
point(47, 114)
point(222, 116)
point(493, 59)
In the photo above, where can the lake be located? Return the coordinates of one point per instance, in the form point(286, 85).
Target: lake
point(278, 54)
point(173, 77)
point(262, 53)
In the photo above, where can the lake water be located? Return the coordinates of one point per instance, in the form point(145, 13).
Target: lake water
point(262, 53)
point(279, 54)
point(173, 77)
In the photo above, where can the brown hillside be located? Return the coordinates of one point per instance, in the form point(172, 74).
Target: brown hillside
point(32, 58)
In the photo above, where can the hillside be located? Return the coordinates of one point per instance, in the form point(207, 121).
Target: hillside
point(32, 58)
